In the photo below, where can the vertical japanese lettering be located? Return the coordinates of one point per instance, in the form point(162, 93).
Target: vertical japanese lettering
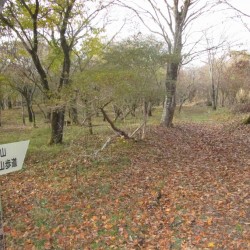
point(2, 152)
point(2, 164)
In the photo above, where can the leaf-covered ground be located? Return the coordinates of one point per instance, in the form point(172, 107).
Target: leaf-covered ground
point(182, 188)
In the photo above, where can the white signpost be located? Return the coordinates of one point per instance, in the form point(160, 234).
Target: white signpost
point(12, 156)
point(11, 159)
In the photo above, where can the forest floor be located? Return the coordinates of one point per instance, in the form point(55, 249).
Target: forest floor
point(181, 188)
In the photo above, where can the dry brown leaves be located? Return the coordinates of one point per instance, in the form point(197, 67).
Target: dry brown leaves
point(183, 188)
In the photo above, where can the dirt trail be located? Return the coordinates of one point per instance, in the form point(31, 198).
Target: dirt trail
point(189, 188)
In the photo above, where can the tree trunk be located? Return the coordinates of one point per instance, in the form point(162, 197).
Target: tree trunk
point(222, 99)
point(88, 116)
point(9, 103)
point(90, 125)
point(133, 109)
point(30, 114)
point(23, 113)
point(147, 108)
point(57, 123)
point(214, 106)
point(170, 102)
point(181, 104)
point(33, 116)
point(145, 118)
point(73, 109)
point(74, 114)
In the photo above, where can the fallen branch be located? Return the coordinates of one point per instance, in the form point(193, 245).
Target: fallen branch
point(110, 139)
point(138, 129)
point(117, 130)
point(103, 146)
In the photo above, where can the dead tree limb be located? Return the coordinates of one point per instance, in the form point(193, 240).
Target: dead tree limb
point(138, 129)
point(117, 130)
point(103, 147)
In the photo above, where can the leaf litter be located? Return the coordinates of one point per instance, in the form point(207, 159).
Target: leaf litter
point(181, 188)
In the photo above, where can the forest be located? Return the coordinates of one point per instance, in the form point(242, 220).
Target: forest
point(138, 115)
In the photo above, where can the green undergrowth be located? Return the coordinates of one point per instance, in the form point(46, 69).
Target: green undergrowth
point(202, 114)
point(77, 138)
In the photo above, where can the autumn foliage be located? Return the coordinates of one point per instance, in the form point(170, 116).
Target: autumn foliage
point(181, 188)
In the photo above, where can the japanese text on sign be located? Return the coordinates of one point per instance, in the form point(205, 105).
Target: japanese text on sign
point(2, 152)
point(12, 156)
point(9, 163)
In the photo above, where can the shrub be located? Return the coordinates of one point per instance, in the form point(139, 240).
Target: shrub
point(242, 108)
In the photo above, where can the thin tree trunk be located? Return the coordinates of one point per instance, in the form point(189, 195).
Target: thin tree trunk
point(57, 123)
point(222, 99)
point(9, 103)
point(213, 96)
point(88, 116)
point(30, 113)
point(145, 118)
point(23, 113)
point(49, 115)
point(74, 114)
point(33, 116)
point(133, 109)
point(217, 93)
point(170, 100)
point(149, 109)
point(181, 104)
point(73, 109)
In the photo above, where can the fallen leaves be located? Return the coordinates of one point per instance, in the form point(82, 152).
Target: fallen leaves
point(211, 245)
point(183, 188)
point(209, 221)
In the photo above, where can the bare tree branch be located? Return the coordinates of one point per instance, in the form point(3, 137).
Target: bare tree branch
point(141, 13)
point(233, 7)
point(240, 13)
